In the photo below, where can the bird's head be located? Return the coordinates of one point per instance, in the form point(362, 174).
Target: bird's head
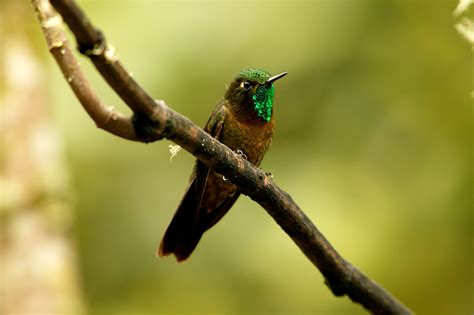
point(252, 91)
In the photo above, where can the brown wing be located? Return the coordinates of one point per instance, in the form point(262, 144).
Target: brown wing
point(214, 216)
point(193, 216)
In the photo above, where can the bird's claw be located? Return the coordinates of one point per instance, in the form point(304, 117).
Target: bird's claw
point(241, 154)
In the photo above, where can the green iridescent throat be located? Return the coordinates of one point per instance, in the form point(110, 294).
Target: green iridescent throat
point(263, 101)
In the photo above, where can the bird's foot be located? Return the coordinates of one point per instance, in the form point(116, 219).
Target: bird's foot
point(269, 174)
point(241, 154)
point(266, 178)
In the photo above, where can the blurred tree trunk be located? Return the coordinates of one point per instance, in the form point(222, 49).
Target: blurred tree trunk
point(38, 267)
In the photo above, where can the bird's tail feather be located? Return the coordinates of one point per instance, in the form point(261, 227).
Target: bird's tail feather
point(183, 233)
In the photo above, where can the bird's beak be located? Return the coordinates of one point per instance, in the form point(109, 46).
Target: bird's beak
point(276, 77)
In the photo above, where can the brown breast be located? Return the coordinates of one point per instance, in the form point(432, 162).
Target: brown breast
point(252, 137)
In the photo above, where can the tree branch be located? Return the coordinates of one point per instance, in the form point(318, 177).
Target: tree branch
point(162, 122)
point(105, 117)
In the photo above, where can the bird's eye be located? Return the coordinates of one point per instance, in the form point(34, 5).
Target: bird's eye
point(246, 85)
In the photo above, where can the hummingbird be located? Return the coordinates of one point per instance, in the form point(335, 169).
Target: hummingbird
point(243, 121)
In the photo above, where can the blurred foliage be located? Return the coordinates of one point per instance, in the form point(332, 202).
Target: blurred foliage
point(373, 141)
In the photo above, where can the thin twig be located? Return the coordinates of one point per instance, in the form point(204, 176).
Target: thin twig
point(341, 276)
point(105, 117)
point(91, 43)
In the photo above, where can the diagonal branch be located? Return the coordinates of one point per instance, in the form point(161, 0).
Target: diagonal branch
point(162, 122)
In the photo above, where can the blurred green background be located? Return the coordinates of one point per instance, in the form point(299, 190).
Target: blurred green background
point(373, 141)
